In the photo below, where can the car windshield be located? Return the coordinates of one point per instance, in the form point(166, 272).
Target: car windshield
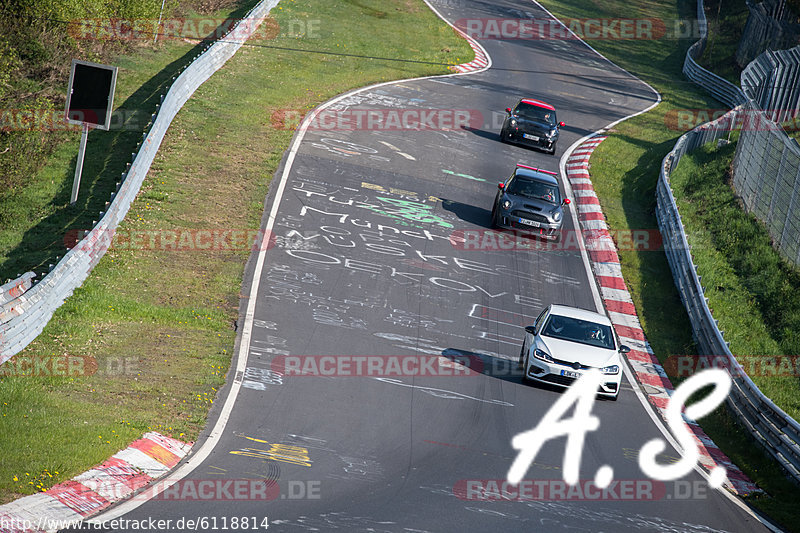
point(534, 112)
point(576, 330)
point(532, 188)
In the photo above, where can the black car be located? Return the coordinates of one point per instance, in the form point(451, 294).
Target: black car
point(530, 200)
point(532, 122)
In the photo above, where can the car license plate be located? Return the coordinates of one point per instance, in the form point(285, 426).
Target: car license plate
point(530, 137)
point(528, 222)
point(570, 374)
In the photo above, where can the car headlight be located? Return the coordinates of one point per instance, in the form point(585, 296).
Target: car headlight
point(552, 133)
point(544, 356)
point(557, 216)
point(613, 369)
point(513, 122)
point(506, 204)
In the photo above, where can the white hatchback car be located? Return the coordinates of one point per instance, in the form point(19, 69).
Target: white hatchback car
point(564, 341)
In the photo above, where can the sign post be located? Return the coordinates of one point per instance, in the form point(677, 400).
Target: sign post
point(158, 27)
point(76, 183)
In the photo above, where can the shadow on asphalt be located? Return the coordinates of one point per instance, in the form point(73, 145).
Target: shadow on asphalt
point(499, 368)
point(469, 213)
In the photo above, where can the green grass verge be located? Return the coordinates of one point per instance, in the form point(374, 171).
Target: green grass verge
point(166, 317)
point(625, 170)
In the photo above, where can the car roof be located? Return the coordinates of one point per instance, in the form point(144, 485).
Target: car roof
point(537, 103)
point(582, 314)
point(536, 174)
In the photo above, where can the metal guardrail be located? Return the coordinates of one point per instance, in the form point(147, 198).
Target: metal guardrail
point(15, 288)
point(773, 429)
point(723, 90)
point(23, 318)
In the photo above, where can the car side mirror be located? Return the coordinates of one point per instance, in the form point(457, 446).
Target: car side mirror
point(508, 110)
point(501, 186)
point(566, 201)
point(531, 329)
point(561, 124)
point(624, 349)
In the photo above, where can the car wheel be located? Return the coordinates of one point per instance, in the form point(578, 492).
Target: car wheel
point(503, 135)
point(553, 149)
point(493, 223)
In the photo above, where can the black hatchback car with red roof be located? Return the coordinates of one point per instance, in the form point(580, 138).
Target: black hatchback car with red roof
point(533, 123)
point(530, 200)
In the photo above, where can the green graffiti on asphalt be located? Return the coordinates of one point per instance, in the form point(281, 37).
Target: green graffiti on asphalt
point(462, 175)
point(407, 210)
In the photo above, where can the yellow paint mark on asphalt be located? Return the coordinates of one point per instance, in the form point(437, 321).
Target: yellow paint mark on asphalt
point(285, 453)
point(393, 190)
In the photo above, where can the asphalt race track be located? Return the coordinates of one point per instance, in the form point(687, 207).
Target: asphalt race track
point(367, 261)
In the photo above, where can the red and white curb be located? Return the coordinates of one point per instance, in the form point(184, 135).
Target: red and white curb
point(85, 495)
point(605, 263)
point(481, 60)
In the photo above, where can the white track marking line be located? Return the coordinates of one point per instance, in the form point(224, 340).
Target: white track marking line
point(396, 149)
point(390, 145)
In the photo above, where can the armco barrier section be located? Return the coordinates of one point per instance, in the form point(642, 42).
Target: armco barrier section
point(773, 429)
point(15, 288)
point(720, 88)
point(23, 318)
